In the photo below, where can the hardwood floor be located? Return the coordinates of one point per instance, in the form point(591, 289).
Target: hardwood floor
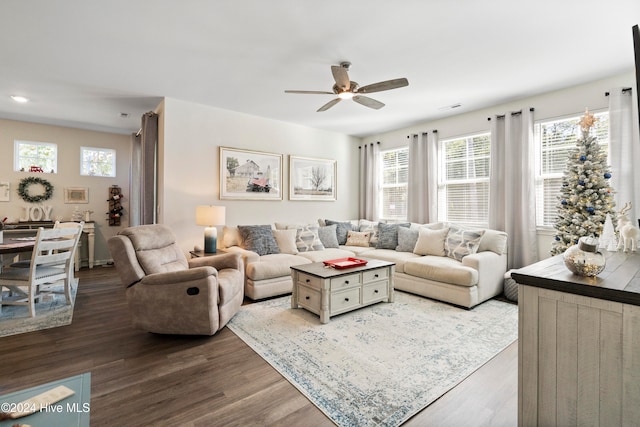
point(142, 379)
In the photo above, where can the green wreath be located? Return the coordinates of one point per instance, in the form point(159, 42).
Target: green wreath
point(23, 189)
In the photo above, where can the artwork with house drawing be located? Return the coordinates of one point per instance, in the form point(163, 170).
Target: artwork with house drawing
point(250, 175)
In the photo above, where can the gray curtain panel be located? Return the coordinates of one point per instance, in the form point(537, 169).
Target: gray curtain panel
point(422, 188)
point(368, 203)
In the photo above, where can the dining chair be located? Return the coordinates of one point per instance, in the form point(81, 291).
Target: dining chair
point(25, 263)
point(51, 263)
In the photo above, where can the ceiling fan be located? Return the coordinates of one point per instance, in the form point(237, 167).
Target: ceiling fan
point(347, 89)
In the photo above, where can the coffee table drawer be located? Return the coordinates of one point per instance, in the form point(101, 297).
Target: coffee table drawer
point(344, 282)
point(373, 275)
point(309, 280)
point(345, 300)
point(377, 291)
point(309, 299)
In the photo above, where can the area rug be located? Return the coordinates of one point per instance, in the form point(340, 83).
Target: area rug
point(379, 365)
point(51, 312)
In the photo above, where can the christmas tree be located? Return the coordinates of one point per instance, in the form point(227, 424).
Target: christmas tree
point(585, 197)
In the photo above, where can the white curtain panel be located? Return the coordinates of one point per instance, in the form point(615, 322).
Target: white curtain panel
point(422, 201)
point(624, 150)
point(512, 185)
point(368, 203)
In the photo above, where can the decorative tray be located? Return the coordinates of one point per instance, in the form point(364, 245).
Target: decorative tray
point(345, 262)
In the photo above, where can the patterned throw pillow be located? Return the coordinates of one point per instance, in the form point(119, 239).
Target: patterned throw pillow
point(307, 239)
point(358, 238)
point(341, 230)
point(258, 238)
point(388, 235)
point(407, 239)
point(371, 227)
point(328, 236)
point(461, 242)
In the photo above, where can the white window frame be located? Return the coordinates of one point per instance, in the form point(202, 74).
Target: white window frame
point(49, 165)
point(546, 220)
point(85, 166)
point(466, 215)
point(398, 186)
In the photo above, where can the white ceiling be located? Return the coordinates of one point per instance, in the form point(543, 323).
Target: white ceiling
point(83, 62)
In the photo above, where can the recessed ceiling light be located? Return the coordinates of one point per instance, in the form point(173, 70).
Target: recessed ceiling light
point(20, 99)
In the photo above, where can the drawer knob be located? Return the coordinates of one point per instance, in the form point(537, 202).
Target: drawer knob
point(346, 282)
point(375, 275)
point(346, 299)
point(307, 297)
point(375, 291)
point(308, 280)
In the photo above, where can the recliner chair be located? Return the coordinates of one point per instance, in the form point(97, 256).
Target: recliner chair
point(168, 294)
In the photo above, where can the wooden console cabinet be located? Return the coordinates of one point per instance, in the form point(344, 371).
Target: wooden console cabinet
point(327, 291)
point(579, 344)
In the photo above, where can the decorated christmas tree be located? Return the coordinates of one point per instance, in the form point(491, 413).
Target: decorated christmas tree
point(585, 197)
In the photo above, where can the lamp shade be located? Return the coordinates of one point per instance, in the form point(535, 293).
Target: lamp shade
point(210, 215)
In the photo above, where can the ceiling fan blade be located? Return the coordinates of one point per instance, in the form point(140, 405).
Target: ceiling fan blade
point(368, 102)
point(328, 105)
point(341, 77)
point(386, 85)
point(312, 92)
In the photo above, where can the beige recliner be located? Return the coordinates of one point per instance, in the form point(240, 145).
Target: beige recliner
point(168, 294)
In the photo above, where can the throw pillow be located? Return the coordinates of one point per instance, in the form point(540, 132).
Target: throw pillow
point(388, 235)
point(328, 236)
point(461, 242)
point(341, 229)
point(286, 240)
point(358, 238)
point(307, 239)
point(258, 238)
point(230, 236)
point(431, 242)
point(371, 227)
point(407, 239)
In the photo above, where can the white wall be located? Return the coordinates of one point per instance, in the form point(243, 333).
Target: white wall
point(69, 142)
point(568, 101)
point(190, 138)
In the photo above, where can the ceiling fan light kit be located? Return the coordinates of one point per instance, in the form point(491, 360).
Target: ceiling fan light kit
point(344, 88)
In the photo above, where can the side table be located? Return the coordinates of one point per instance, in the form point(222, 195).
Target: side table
point(201, 253)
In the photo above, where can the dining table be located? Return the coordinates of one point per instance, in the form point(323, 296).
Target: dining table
point(11, 247)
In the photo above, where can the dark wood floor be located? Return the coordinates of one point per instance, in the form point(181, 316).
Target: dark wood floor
point(142, 379)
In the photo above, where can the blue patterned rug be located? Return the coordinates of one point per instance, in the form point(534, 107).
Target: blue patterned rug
point(52, 311)
point(379, 365)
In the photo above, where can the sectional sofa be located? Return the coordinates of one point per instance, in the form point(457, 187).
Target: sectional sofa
point(447, 262)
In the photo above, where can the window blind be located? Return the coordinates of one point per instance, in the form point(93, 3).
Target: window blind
point(394, 178)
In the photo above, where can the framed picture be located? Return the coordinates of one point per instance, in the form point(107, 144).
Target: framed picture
point(5, 193)
point(250, 175)
point(312, 179)
point(76, 195)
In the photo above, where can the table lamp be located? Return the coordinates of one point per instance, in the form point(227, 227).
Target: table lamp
point(210, 216)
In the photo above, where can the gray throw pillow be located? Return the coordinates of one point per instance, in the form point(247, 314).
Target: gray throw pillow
point(461, 242)
point(407, 239)
point(258, 238)
point(328, 236)
point(388, 235)
point(342, 228)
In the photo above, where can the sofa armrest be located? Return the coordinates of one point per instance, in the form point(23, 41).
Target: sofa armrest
point(231, 260)
point(491, 269)
point(177, 277)
point(247, 256)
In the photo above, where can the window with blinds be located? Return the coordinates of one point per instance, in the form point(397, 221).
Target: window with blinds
point(394, 175)
point(554, 140)
point(463, 184)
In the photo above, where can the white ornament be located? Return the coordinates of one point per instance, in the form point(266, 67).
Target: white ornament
point(629, 234)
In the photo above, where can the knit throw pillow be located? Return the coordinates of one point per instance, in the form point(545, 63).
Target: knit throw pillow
point(388, 235)
point(307, 239)
point(341, 230)
point(258, 238)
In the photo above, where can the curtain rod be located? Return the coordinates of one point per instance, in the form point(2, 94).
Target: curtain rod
point(515, 113)
point(433, 131)
point(377, 142)
point(139, 132)
point(624, 89)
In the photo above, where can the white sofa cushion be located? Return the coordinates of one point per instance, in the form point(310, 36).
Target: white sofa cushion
point(390, 255)
point(327, 254)
point(441, 269)
point(286, 240)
